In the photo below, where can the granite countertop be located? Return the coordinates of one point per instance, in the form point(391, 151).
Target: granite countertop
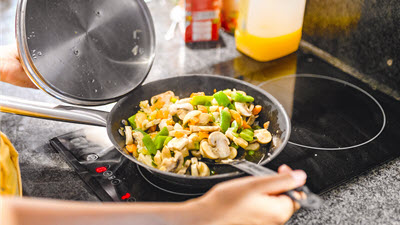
point(370, 198)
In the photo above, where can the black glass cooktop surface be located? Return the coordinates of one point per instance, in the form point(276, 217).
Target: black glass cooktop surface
point(341, 127)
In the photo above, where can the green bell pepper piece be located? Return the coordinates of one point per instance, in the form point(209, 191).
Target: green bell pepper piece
point(163, 132)
point(235, 126)
point(141, 131)
point(132, 121)
point(247, 134)
point(169, 138)
point(159, 142)
point(225, 120)
point(233, 144)
point(197, 145)
point(251, 152)
point(149, 144)
point(222, 99)
point(201, 100)
point(238, 97)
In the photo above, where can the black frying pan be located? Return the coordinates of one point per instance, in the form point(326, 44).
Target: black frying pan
point(182, 86)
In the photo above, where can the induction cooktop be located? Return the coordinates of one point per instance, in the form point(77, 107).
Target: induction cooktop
point(341, 127)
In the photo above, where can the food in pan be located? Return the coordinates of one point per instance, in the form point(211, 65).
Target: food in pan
point(177, 135)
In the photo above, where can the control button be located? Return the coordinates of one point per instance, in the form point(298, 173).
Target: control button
point(126, 196)
point(107, 173)
point(101, 169)
point(92, 157)
point(115, 181)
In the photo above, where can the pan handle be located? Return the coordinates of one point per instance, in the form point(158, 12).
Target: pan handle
point(53, 112)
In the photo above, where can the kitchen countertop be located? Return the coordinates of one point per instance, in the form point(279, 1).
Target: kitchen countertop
point(370, 198)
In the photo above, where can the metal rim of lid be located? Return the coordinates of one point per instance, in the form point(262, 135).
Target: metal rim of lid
point(36, 78)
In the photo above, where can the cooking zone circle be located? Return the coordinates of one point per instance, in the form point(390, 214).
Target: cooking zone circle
point(327, 113)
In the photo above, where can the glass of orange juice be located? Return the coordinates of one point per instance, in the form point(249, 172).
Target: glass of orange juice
point(269, 29)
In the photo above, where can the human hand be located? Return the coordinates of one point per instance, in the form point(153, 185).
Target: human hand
point(11, 70)
point(253, 200)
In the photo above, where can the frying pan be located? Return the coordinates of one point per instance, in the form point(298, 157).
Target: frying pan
point(181, 86)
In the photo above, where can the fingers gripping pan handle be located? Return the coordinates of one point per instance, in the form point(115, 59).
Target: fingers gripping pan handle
point(312, 201)
point(53, 112)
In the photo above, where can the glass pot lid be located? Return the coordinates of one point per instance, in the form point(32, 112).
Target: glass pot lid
point(85, 52)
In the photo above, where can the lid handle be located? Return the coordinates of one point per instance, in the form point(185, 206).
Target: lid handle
point(53, 112)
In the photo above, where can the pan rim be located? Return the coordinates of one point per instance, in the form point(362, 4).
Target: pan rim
point(214, 177)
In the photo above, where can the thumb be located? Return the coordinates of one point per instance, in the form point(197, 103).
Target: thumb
point(279, 183)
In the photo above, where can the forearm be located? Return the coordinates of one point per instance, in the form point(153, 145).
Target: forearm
point(23, 211)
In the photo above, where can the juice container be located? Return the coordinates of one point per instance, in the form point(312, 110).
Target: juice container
point(269, 29)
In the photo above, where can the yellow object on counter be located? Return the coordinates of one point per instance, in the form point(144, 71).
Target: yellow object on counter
point(10, 179)
point(269, 29)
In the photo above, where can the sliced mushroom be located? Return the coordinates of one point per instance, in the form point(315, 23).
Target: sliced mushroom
point(251, 107)
point(194, 128)
point(144, 105)
point(183, 100)
point(263, 136)
point(242, 108)
point(233, 153)
point(221, 143)
point(163, 123)
point(168, 164)
point(173, 109)
point(179, 160)
point(207, 151)
point(251, 120)
point(138, 137)
point(158, 158)
point(178, 143)
point(204, 118)
point(241, 142)
point(203, 169)
point(128, 135)
point(229, 133)
point(148, 124)
point(165, 97)
point(181, 113)
point(196, 153)
point(190, 115)
point(213, 108)
point(166, 153)
point(184, 168)
point(146, 159)
point(253, 147)
point(193, 170)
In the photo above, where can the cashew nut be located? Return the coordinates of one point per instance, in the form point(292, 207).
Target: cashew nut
point(203, 169)
point(204, 118)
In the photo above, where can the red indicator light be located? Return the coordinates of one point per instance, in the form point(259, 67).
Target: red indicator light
point(101, 169)
point(126, 196)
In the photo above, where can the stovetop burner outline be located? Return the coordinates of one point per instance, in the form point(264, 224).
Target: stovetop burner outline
point(345, 83)
point(166, 190)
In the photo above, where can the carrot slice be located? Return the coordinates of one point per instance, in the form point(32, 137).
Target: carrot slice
point(152, 129)
point(179, 134)
point(203, 135)
point(245, 125)
point(202, 108)
point(197, 94)
point(257, 109)
point(194, 121)
point(131, 148)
